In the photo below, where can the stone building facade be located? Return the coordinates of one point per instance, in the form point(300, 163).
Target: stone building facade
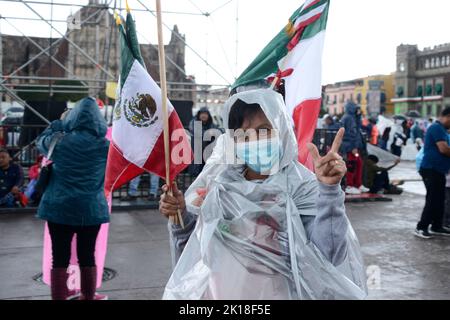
point(422, 80)
point(97, 33)
point(373, 94)
point(336, 95)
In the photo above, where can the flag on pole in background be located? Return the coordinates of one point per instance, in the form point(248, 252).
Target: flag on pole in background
point(295, 55)
point(137, 134)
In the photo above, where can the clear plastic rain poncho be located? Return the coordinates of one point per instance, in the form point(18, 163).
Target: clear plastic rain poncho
point(249, 241)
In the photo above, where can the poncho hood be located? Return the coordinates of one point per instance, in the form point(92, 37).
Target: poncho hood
point(274, 108)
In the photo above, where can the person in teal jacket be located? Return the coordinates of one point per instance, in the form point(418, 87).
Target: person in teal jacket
point(74, 200)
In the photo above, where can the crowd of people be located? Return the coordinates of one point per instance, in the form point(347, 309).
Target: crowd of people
point(431, 138)
point(15, 192)
point(363, 173)
point(74, 202)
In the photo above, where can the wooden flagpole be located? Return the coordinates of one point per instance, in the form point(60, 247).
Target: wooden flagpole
point(162, 73)
point(276, 78)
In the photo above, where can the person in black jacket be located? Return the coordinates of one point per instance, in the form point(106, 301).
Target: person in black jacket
point(199, 125)
point(11, 180)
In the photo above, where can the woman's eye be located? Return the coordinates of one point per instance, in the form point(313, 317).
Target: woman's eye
point(263, 132)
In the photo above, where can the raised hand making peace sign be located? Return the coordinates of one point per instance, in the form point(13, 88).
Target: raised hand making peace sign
point(331, 168)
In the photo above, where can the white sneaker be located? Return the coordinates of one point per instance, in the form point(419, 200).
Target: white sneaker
point(352, 190)
point(364, 189)
point(424, 234)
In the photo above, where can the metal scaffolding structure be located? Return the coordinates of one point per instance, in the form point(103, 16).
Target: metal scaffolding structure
point(15, 81)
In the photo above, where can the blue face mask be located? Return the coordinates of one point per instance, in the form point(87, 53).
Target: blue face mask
point(262, 156)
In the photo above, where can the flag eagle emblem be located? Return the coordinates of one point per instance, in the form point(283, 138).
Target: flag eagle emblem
point(140, 110)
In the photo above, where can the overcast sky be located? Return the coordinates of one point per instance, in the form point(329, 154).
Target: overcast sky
point(362, 35)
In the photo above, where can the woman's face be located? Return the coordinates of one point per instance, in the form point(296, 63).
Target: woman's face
point(258, 146)
point(255, 127)
point(203, 116)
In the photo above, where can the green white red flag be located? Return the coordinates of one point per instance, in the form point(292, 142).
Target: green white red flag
point(295, 55)
point(137, 143)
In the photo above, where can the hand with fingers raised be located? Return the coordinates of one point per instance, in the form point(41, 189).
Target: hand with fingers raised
point(170, 204)
point(329, 169)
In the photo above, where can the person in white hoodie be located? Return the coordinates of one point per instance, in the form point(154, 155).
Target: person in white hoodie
point(259, 225)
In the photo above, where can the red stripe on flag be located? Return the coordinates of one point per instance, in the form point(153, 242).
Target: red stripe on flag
point(308, 21)
point(311, 4)
point(305, 120)
point(156, 161)
point(300, 28)
point(118, 170)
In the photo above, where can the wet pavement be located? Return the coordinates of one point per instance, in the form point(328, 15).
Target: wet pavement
point(407, 171)
point(138, 250)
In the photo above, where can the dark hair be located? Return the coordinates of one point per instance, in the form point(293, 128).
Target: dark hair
point(445, 112)
point(386, 133)
point(240, 111)
point(405, 125)
point(373, 158)
point(204, 110)
point(3, 150)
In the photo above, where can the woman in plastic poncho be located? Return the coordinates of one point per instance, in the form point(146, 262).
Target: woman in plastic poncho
point(74, 201)
point(264, 226)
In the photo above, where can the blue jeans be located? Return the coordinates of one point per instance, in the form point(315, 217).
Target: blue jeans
point(134, 185)
point(8, 201)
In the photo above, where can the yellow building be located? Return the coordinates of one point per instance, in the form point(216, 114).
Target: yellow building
point(386, 83)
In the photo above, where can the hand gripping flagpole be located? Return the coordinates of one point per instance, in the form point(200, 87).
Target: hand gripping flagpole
point(162, 72)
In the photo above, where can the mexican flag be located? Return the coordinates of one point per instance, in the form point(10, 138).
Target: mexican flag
point(137, 143)
point(295, 55)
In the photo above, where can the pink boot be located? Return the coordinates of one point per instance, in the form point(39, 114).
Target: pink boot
point(88, 282)
point(58, 284)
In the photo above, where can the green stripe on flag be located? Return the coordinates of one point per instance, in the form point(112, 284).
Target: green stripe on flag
point(300, 13)
point(266, 63)
point(316, 27)
point(126, 57)
point(133, 40)
point(130, 49)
